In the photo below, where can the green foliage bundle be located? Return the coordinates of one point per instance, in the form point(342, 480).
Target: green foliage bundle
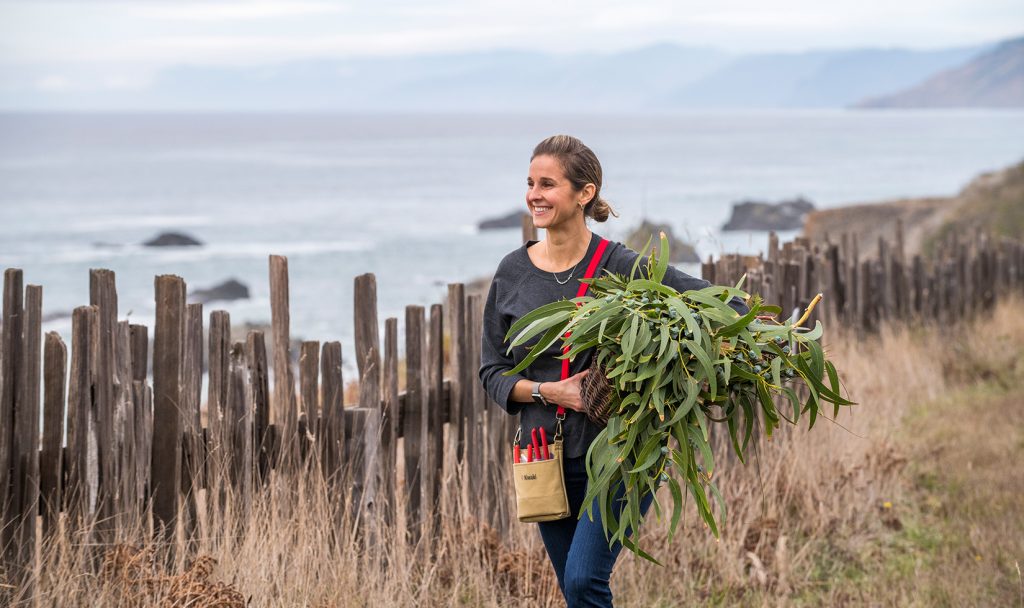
point(670, 357)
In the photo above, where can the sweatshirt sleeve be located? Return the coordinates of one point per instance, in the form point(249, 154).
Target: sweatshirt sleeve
point(621, 262)
point(493, 357)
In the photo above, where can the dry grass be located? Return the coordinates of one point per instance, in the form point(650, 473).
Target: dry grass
point(912, 498)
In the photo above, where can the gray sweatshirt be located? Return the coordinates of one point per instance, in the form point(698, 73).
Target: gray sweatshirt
point(519, 287)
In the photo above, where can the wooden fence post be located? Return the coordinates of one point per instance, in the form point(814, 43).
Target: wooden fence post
point(82, 473)
point(284, 406)
point(13, 363)
point(256, 359)
point(332, 422)
point(239, 431)
point(414, 423)
point(103, 295)
point(167, 349)
point(219, 361)
point(436, 409)
point(390, 418)
point(529, 229)
point(477, 449)
point(368, 362)
point(51, 474)
point(456, 329)
point(143, 413)
point(193, 446)
point(309, 383)
point(362, 426)
point(26, 477)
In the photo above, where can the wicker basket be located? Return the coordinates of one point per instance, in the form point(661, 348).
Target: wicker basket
point(596, 394)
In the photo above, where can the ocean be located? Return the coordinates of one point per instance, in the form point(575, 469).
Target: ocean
point(401, 195)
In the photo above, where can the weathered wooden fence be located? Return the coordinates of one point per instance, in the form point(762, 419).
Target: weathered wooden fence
point(122, 436)
point(861, 292)
point(125, 438)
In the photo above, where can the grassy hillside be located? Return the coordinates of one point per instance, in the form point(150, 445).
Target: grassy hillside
point(992, 201)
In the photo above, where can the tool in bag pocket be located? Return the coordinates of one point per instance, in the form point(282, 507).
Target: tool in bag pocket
point(540, 481)
point(540, 484)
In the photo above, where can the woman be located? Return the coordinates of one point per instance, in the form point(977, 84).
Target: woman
point(563, 189)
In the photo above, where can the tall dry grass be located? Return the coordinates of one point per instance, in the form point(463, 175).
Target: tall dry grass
point(809, 509)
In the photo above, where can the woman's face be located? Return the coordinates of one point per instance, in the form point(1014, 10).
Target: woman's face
point(550, 196)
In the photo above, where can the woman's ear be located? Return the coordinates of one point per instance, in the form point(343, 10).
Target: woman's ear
point(588, 193)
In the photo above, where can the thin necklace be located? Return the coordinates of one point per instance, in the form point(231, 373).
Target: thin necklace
point(570, 273)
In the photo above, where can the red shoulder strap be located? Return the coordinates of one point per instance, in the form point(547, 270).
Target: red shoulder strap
point(591, 268)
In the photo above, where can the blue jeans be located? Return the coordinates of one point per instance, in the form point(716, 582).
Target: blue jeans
point(577, 547)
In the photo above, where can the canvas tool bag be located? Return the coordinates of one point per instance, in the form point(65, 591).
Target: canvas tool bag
point(540, 485)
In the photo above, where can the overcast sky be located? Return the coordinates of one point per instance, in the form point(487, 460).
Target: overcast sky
point(122, 44)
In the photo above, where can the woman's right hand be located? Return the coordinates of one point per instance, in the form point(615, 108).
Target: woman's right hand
point(565, 393)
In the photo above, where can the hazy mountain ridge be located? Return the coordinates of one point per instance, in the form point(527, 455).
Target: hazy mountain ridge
point(993, 79)
point(657, 77)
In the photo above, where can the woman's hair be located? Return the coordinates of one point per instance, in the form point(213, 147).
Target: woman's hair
point(581, 167)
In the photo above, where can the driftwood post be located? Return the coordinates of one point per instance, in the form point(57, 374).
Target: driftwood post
point(193, 449)
point(332, 422)
point(456, 329)
point(284, 407)
point(434, 442)
point(390, 417)
point(368, 362)
point(51, 487)
point(529, 229)
point(103, 295)
point(26, 476)
point(309, 381)
point(13, 370)
point(256, 358)
point(361, 426)
point(167, 349)
point(124, 423)
point(219, 339)
point(477, 452)
point(143, 412)
point(82, 474)
point(238, 432)
point(414, 421)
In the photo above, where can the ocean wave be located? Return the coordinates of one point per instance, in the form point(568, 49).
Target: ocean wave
point(197, 254)
point(282, 158)
point(120, 221)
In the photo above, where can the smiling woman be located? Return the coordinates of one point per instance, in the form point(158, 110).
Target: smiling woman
point(563, 190)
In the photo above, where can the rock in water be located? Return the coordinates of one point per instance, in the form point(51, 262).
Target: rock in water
point(512, 220)
point(681, 253)
point(172, 239)
point(228, 290)
point(756, 215)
